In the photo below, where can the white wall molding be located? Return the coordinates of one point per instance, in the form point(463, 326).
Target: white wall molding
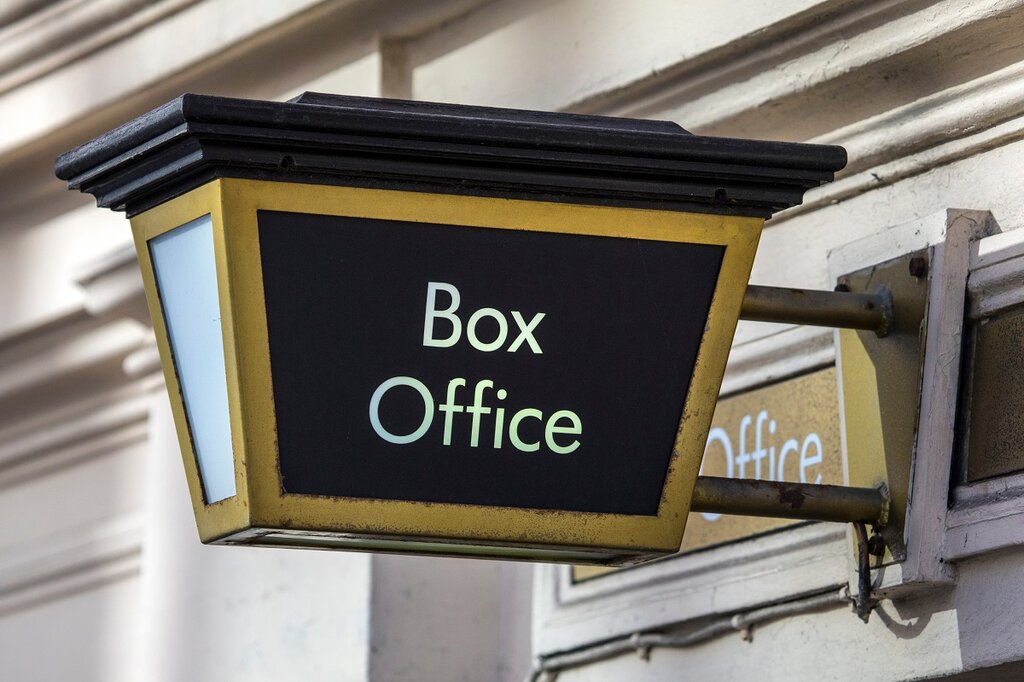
point(634, 51)
point(941, 129)
point(953, 113)
point(903, 168)
point(861, 74)
point(954, 122)
point(16, 10)
point(794, 36)
point(802, 560)
point(90, 428)
point(988, 515)
point(144, 363)
point(65, 358)
point(996, 281)
point(758, 360)
point(113, 286)
point(155, 52)
point(63, 31)
point(243, 48)
point(101, 410)
point(76, 560)
point(842, 63)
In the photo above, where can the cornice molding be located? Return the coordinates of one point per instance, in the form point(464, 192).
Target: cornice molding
point(71, 562)
point(797, 35)
point(16, 10)
point(955, 113)
point(61, 32)
point(904, 166)
point(113, 286)
point(857, 45)
point(61, 357)
point(89, 428)
point(812, 62)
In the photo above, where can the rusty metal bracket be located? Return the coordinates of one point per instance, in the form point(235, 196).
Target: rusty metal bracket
point(880, 388)
point(867, 547)
point(842, 309)
point(802, 501)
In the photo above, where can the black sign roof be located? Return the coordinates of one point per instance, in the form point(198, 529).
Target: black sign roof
point(420, 146)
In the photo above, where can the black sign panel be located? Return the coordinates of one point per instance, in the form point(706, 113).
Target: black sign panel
point(440, 363)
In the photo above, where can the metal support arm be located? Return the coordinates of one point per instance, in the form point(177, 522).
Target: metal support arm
point(872, 312)
point(843, 309)
point(790, 500)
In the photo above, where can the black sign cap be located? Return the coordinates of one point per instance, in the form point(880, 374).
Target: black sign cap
point(446, 148)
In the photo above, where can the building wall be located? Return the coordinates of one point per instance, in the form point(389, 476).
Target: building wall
point(98, 555)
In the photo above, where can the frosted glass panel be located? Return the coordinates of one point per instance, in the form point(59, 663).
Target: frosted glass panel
point(186, 276)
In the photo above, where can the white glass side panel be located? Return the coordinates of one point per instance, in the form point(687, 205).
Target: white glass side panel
point(186, 276)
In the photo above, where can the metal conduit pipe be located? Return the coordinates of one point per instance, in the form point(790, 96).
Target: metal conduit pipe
point(547, 668)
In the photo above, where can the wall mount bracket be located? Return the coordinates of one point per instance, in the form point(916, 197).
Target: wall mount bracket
point(843, 309)
point(871, 310)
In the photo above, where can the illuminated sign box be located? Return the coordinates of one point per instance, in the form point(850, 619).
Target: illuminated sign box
point(440, 329)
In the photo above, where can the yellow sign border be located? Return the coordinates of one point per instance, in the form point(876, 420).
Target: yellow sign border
point(260, 503)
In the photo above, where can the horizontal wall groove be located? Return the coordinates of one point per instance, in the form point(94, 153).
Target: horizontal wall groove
point(687, 588)
point(904, 167)
point(70, 563)
point(798, 35)
point(759, 360)
point(67, 357)
point(787, 94)
point(62, 32)
point(68, 436)
point(954, 113)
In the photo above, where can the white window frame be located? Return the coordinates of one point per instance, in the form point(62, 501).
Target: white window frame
point(988, 516)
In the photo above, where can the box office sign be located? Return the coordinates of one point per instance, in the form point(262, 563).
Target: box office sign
point(434, 363)
point(451, 355)
point(436, 328)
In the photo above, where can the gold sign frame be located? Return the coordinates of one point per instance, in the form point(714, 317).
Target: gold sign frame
point(261, 514)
